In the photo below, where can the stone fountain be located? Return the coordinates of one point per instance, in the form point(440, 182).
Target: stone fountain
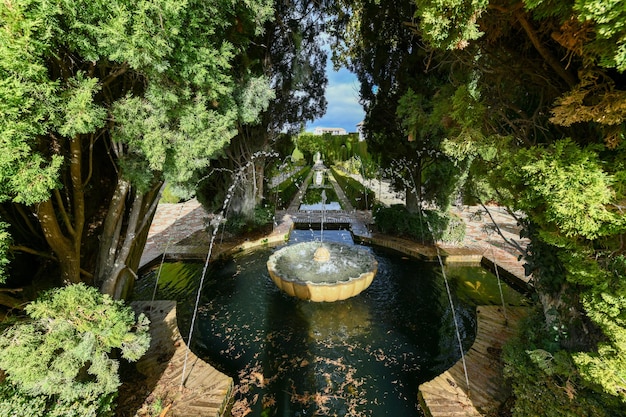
point(326, 271)
point(322, 271)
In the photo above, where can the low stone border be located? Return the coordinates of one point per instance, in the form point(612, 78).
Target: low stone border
point(474, 255)
point(449, 395)
point(206, 392)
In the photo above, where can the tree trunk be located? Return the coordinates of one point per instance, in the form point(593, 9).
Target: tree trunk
point(111, 230)
point(245, 193)
point(66, 241)
point(248, 193)
point(11, 302)
point(260, 180)
point(124, 238)
point(550, 59)
point(413, 199)
point(63, 247)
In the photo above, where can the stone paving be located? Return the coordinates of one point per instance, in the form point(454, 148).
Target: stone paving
point(483, 243)
point(476, 388)
point(172, 223)
point(495, 237)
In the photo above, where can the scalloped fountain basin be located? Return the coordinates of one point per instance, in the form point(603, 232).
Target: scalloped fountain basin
point(342, 273)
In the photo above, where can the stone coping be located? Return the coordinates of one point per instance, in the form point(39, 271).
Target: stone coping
point(204, 391)
point(325, 281)
point(471, 255)
point(452, 255)
point(449, 393)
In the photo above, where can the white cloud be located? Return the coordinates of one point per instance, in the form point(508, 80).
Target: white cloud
point(342, 94)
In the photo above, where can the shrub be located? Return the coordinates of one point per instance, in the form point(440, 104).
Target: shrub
point(314, 195)
point(169, 196)
point(545, 381)
point(357, 193)
point(455, 228)
point(286, 190)
point(57, 362)
point(238, 223)
point(430, 226)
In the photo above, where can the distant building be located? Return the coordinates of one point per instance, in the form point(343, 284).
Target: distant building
point(331, 130)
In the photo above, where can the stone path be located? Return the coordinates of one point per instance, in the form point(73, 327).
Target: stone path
point(172, 223)
point(357, 220)
point(498, 244)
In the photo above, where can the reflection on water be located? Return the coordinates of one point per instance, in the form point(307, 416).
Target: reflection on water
point(364, 356)
point(330, 206)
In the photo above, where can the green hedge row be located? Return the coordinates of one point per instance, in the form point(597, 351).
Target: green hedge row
point(431, 226)
point(354, 190)
point(284, 192)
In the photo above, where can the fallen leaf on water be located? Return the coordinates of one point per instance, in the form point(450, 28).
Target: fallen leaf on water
point(259, 377)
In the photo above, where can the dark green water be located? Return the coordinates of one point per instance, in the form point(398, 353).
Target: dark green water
point(364, 356)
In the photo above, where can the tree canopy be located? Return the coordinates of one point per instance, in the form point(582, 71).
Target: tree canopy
point(521, 102)
point(289, 53)
point(401, 81)
point(100, 104)
point(526, 100)
point(549, 81)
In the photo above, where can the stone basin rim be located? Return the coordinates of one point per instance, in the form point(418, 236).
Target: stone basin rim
point(352, 269)
point(371, 265)
point(325, 283)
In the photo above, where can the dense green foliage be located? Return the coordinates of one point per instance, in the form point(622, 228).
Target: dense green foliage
point(359, 195)
point(310, 144)
point(100, 104)
point(428, 226)
point(333, 148)
point(58, 362)
point(526, 101)
point(168, 196)
point(546, 382)
point(546, 82)
point(313, 195)
point(581, 208)
point(290, 55)
point(523, 103)
point(282, 194)
point(401, 92)
point(238, 224)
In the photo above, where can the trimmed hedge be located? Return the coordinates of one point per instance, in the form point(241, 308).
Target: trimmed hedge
point(354, 190)
point(284, 192)
point(430, 227)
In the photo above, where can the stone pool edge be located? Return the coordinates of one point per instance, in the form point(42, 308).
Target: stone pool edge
point(507, 265)
point(203, 392)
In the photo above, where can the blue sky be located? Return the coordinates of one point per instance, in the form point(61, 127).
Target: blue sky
point(342, 94)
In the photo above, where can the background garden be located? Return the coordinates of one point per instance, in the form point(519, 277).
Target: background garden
point(105, 107)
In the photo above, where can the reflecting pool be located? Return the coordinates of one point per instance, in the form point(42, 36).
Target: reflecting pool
point(364, 356)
